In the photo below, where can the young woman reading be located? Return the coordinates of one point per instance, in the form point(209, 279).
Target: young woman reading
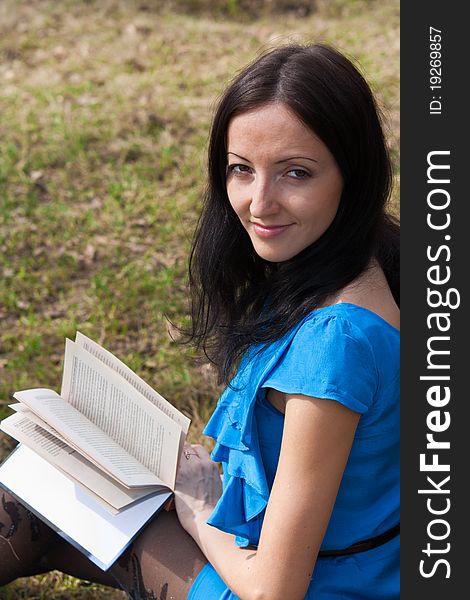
point(294, 282)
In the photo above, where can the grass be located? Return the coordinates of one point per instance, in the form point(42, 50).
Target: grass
point(105, 112)
point(57, 586)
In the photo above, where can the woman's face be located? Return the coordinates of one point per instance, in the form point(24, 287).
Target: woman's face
point(282, 181)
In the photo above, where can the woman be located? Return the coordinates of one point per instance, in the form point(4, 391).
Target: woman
point(294, 279)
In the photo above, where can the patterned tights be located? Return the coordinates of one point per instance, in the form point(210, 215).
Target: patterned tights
point(161, 564)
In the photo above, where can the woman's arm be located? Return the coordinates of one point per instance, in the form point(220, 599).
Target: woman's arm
point(315, 447)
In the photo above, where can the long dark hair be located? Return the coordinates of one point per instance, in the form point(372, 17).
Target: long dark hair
point(238, 298)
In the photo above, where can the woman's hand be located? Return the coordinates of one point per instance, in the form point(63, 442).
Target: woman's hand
point(198, 485)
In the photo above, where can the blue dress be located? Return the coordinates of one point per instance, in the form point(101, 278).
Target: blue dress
point(341, 352)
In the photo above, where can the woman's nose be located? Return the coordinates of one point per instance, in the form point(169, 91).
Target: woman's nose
point(263, 199)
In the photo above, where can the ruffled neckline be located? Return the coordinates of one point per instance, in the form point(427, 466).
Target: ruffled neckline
point(240, 509)
point(246, 492)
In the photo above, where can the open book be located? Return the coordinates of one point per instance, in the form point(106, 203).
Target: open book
point(106, 451)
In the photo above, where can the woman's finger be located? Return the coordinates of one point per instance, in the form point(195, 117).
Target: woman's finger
point(201, 451)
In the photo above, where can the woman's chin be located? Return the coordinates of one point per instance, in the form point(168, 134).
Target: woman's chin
point(274, 255)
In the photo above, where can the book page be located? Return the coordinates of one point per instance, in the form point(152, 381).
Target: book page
point(118, 409)
point(10, 426)
point(144, 388)
point(84, 436)
point(76, 516)
point(25, 411)
point(22, 429)
point(58, 453)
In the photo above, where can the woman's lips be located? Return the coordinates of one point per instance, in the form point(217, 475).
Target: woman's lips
point(268, 231)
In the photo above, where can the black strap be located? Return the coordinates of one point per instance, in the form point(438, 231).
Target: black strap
point(373, 542)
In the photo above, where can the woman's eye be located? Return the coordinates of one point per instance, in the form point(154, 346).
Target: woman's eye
point(298, 174)
point(238, 169)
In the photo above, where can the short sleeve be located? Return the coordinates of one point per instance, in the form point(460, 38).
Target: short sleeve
point(328, 357)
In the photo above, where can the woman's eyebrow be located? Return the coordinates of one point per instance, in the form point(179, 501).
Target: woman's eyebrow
point(239, 156)
point(296, 158)
point(279, 161)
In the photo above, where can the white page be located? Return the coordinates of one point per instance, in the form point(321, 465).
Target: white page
point(118, 409)
point(9, 427)
point(58, 453)
point(137, 382)
point(140, 385)
point(18, 407)
point(22, 409)
point(23, 429)
point(84, 436)
point(69, 510)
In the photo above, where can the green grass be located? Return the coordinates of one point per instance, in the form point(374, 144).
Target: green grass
point(56, 586)
point(105, 108)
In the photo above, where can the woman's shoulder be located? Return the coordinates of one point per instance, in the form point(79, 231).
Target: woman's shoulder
point(341, 352)
point(345, 336)
point(364, 307)
point(347, 317)
point(371, 296)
